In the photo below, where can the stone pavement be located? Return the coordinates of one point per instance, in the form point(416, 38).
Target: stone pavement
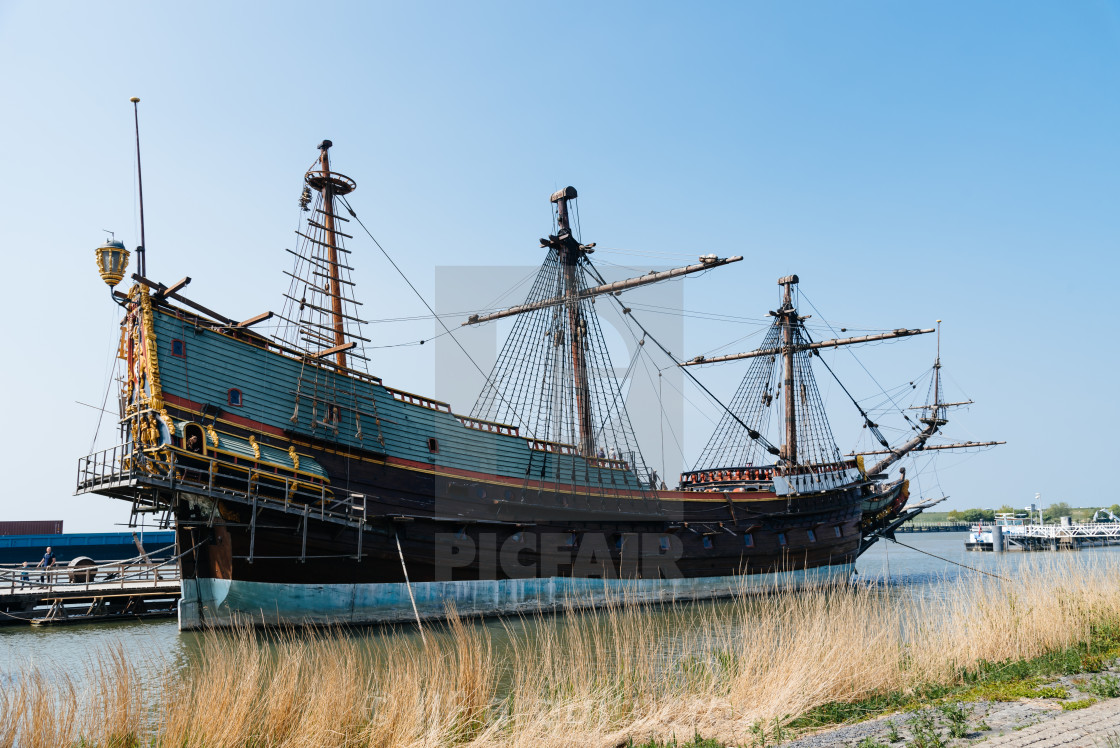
point(1094, 726)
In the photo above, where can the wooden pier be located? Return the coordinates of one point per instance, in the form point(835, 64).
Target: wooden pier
point(104, 592)
point(1060, 537)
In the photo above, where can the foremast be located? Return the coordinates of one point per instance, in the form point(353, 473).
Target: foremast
point(788, 340)
point(788, 320)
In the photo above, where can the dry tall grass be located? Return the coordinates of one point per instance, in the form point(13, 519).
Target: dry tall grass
point(587, 678)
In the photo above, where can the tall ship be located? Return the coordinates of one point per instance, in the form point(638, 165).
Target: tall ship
point(304, 490)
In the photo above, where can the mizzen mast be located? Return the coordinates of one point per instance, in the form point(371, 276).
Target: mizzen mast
point(330, 185)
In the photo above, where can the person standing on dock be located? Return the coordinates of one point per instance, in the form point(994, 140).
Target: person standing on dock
point(24, 580)
point(46, 563)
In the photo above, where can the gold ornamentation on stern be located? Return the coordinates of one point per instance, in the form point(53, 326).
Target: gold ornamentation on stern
point(294, 456)
point(154, 396)
point(212, 434)
point(254, 446)
point(166, 418)
point(149, 432)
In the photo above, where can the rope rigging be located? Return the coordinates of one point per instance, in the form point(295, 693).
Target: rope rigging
point(751, 432)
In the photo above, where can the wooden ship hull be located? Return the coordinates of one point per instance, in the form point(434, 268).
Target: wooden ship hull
point(290, 511)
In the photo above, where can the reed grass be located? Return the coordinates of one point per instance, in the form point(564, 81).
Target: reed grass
point(745, 671)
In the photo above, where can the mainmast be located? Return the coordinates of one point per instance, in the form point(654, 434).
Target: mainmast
point(570, 254)
point(553, 375)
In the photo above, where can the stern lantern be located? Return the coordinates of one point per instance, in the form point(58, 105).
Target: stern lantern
point(112, 259)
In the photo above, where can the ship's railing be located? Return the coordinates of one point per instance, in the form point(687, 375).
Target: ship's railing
point(491, 426)
point(423, 402)
point(822, 468)
point(559, 448)
point(16, 579)
point(608, 463)
point(728, 475)
point(111, 465)
point(1056, 532)
point(241, 481)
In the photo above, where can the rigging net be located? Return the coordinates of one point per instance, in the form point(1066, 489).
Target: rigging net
point(759, 395)
point(554, 376)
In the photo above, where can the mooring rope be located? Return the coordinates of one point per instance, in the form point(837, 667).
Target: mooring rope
point(950, 561)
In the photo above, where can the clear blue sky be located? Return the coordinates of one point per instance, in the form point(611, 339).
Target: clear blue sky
point(910, 161)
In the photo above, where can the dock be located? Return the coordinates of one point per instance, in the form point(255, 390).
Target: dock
point(1065, 536)
point(935, 527)
point(119, 590)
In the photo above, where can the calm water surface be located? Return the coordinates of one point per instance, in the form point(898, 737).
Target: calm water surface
point(157, 646)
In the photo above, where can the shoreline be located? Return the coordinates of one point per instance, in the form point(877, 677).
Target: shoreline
point(805, 669)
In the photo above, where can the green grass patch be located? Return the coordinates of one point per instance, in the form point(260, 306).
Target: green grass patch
point(1008, 680)
point(840, 712)
point(1106, 686)
point(1013, 690)
point(1069, 706)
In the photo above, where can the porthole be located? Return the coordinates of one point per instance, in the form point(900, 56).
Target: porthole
point(839, 531)
point(708, 543)
point(748, 540)
point(433, 445)
point(234, 398)
point(178, 348)
point(812, 536)
point(781, 538)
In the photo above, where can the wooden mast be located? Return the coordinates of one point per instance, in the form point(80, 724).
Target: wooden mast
point(327, 186)
point(570, 254)
point(142, 253)
point(788, 318)
point(935, 418)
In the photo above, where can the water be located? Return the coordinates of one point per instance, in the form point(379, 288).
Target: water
point(157, 646)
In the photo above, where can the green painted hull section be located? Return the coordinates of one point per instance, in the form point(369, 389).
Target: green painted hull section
point(219, 602)
point(272, 383)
